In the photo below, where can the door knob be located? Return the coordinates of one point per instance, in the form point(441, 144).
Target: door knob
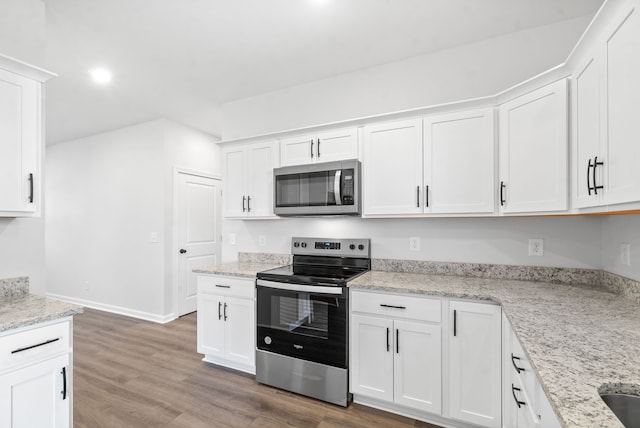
point(182, 251)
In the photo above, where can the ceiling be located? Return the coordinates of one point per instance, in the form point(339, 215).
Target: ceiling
point(183, 59)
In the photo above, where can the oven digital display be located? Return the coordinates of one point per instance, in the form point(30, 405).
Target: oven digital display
point(327, 245)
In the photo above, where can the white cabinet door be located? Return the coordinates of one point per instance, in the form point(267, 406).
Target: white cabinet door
point(533, 151)
point(240, 342)
point(371, 367)
point(417, 366)
point(261, 159)
point(20, 140)
point(475, 363)
point(328, 146)
point(337, 145)
point(33, 396)
point(620, 162)
point(234, 195)
point(588, 129)
point(392, 168)
point(211, 325)
point(459, 162)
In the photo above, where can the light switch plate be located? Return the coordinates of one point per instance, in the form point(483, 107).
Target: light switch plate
point(625, 254)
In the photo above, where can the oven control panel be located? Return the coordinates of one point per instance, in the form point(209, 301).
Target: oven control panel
point(331, 247)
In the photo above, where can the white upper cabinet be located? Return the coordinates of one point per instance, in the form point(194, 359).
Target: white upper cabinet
point(20, 138)
point(534, 151)
point(605, 130)
point(459, 162)
point(248, 179)
point(324, 147)
point(392, 168)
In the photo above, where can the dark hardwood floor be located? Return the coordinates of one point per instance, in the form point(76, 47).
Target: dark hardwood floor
point(133, 373)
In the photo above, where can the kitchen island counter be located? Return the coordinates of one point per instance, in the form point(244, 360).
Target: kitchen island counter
point(578, 338)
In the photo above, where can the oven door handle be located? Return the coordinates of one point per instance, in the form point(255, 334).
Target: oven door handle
point(315, 289)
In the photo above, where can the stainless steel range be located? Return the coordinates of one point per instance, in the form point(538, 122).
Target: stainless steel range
point(302, 317)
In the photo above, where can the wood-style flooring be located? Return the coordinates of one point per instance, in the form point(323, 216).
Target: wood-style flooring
point(133, 373)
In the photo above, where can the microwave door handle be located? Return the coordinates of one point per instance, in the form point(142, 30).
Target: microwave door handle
point(337, 184)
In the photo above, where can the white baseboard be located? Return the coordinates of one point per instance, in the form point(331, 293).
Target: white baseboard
point(161, 319)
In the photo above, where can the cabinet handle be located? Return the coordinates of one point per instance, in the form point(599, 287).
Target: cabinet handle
point(30, 188)
point(589, 188)
point(225, 312)
point(219, 310)
point(418, 197)
point(223, 286)
point(318, 149)
point(243, 201)
point(26, 348)
point(455, 323)
point(426, 196)
point(518, 402)
point(502, 186)
point(513, 361)
point(387, 339)
point(248, 204)
point(64, 383)
point(397, 341)
point(595, 165)
point(312, 148)
point(392, 306)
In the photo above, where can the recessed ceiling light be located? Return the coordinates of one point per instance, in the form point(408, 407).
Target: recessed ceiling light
point(100, 75)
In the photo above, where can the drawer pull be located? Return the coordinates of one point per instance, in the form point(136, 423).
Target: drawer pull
point(387, 339)
point(223, 286)
point(513, 361)
point(518, 402)
point(64, 383)
point(219, 310)
point(392, 306)
point(35, 346)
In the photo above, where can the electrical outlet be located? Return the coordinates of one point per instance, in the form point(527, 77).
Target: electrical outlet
point(414, 243)
point(262, 240)
point(536, 247)
point(232, 239)
point(625, 254)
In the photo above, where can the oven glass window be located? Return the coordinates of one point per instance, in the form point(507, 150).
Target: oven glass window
point(302, 314)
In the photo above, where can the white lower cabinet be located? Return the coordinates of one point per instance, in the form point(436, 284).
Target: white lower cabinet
point(474, 363)
point(395, 359)
point(525, 403)
point(36, 377)
point(226, 321)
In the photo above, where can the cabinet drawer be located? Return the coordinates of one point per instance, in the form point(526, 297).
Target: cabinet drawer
point(397, 306)
point(521, 367)
point(226, 286)
point(31, 345)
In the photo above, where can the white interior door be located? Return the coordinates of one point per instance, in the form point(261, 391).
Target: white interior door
point(198, 226)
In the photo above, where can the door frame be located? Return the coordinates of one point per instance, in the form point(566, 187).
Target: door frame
point(175, 260)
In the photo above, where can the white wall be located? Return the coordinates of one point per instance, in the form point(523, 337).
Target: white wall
point(615, 231)
point(105, 195)
point(568, 241)
point(22, 28)
point(468, 71)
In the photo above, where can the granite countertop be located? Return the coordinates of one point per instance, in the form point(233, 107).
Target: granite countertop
point(578, 338)
point(239, 269)
point(28, 309)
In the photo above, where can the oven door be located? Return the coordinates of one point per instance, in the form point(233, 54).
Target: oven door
point(303, 321)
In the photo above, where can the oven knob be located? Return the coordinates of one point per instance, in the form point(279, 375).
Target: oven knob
point(267, 340)
point(352, 246)
point(296, 244)
point(360, 247)
point(303, 245)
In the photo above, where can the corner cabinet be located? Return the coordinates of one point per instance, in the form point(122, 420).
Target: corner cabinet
point(21, 139)
point(534, 146)
point(525, 403)
point(248, 179)
point(36, 376)
point(226, 321)
point(329, 146)
point(604, 99)
point(396, 350)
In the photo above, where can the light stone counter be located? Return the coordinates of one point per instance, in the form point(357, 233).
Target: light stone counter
point(20, 309)
point(239, 269)
point(579, 338)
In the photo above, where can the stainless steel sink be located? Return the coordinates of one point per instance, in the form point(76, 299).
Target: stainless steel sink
point(626, 407)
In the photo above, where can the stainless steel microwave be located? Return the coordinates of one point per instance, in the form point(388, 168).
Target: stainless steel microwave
point(330, 188)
